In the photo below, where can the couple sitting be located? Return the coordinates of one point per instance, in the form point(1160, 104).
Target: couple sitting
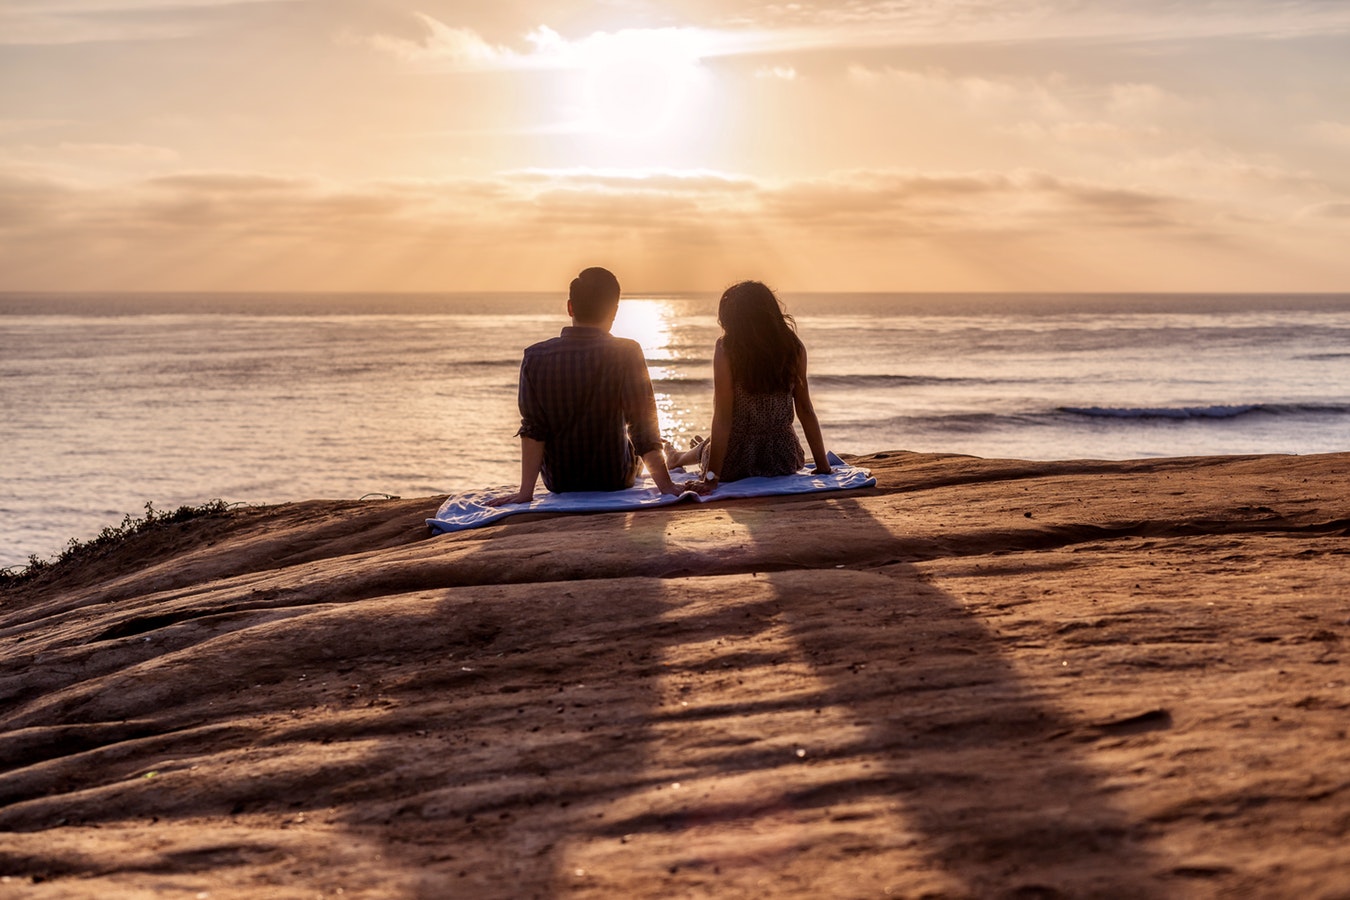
point(588, 415)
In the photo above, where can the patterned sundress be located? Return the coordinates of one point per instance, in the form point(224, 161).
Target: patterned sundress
point(762, 441)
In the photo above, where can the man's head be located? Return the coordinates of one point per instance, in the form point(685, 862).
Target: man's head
point(594, 297)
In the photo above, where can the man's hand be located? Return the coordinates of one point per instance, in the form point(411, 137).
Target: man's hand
point(670, 487)
point(822, 470)
point(656, 467)
point(509, 499)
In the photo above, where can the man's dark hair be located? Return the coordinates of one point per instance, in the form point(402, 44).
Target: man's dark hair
point(594, 295)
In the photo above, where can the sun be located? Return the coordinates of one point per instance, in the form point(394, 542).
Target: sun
point(637, 81)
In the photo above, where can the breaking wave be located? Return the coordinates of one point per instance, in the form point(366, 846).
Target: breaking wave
point(1223, 411)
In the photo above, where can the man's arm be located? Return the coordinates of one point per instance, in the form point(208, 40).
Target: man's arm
point(639, 409)
point(656, 467)
point(531, 461)
point(532, 439)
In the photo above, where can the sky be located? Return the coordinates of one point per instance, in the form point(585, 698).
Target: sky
point(859, 145)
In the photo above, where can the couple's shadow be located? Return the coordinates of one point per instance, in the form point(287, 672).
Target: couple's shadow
point(811, 717)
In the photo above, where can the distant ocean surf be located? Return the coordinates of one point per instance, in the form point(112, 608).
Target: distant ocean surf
point(113, 400)
point(1212, 412)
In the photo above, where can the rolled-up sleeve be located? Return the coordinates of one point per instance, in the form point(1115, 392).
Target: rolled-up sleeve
point(531, 406)
point(639, 404)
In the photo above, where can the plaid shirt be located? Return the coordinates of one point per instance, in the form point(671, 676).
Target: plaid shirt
point(587, 396)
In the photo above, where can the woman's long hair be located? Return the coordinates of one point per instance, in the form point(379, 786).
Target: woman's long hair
point(759, 338)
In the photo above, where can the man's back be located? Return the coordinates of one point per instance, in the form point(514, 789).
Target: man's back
point(586, 395)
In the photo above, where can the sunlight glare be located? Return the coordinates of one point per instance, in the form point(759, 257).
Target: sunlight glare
point(649, 323)
point(636, 81)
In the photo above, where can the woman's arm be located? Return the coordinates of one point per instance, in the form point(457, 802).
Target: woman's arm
point(721, 423)
point(806, 414)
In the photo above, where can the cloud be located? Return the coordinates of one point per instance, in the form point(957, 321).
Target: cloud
point(31, 199)
point(1093, 204)
point(679, 223)
point(1334, 133)
point(915, 204)
point(446, 47)
point(117, 152)
point(58, 29)
point(233, 183)
point(666, 206)
point(19, 126)
point(1049, 96)
point(1004, 98)
point(872, 23)
point(258, 204)
point(1227, 172)
point(461, 47)
point(88, 162)
point(1338, 211)
point(637, 180)
point(76, 7)
point(1083, 133)
point(539, 201)
point(37, 22)
point(1135, 99)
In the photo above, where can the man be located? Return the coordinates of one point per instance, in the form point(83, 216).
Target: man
point(587, 413)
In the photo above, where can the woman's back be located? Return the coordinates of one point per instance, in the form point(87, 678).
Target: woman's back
point(759, 386)
point(762, 440)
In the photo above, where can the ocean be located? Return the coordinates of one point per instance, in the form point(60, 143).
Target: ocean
point(111, 401)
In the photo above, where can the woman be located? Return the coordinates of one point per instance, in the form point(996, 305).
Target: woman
point(759, 381)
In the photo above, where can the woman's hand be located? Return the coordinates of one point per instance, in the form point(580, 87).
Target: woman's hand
point(511, 499)
point(701, 487)
point(822, 470)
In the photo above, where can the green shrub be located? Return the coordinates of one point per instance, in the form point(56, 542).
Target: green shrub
point(83, 550)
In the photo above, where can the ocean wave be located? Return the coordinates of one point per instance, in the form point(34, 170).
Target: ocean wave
point(682, 382)
point(884, 381)
point(853, 382)
point(666, 361)
point(948, 423)
point(972, 422)
point(1219, 411)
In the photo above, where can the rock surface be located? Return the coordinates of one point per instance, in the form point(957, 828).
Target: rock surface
point(981, 678)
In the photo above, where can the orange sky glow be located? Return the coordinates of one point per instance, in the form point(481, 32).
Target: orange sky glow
point(429, 145)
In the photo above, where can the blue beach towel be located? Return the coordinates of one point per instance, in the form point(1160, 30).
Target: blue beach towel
point(464, 511)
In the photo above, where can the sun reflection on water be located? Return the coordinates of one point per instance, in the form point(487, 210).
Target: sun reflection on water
point(651, 323)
